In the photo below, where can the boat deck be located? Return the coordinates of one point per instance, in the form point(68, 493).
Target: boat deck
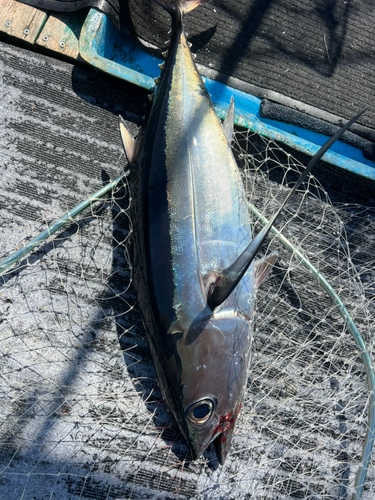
point(81, 413)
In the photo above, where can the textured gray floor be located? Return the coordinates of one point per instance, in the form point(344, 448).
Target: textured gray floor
point(80, 409)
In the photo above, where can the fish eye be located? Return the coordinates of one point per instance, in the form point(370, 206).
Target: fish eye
point(200, 412)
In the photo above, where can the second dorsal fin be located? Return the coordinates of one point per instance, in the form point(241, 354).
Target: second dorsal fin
point(231, 276)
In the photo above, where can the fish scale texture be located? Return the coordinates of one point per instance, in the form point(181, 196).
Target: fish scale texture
point(318, 52)
point(81, 415)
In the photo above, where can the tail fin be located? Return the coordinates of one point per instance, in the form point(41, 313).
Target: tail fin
point(183, 5)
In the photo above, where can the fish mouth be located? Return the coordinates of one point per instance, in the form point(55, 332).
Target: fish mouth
point(224, 433)
point(222, 444)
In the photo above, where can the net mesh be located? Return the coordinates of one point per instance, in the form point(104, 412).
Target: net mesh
point(81, 414)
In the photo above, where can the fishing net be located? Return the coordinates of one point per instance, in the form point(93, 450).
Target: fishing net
point(81, 412)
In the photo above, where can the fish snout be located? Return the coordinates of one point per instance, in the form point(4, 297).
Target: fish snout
point(222, 445)
point(223, 434)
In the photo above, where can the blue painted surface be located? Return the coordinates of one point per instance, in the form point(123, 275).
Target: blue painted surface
point(102, 46)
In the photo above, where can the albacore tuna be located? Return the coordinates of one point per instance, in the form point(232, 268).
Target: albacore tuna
point(194, 268)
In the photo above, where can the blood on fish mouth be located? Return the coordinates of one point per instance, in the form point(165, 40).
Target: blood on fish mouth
point(226, 422)
point(222, 434)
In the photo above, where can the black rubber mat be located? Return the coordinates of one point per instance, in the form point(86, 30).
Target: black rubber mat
point(319, 52)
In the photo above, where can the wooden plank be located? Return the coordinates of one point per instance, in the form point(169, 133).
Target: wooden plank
point(61, 33)
point(20, 20)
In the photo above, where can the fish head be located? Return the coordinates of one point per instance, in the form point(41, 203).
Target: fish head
point(214, 360)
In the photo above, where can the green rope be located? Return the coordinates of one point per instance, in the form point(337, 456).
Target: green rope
point(16, 256)
point(370, 434)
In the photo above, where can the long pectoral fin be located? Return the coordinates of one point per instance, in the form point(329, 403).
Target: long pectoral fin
point(233, 274)
point(228, 125)
point(130, 144)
